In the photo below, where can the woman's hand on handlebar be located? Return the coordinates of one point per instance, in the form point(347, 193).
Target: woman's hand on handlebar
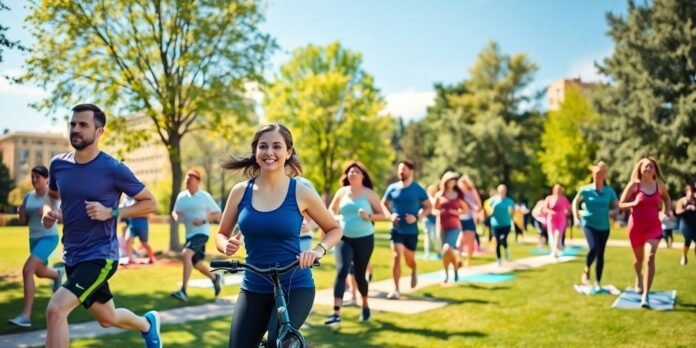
point(308, 257)
point(233, 244)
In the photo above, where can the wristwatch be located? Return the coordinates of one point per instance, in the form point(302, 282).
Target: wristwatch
point(323, 248)
point(115, 212)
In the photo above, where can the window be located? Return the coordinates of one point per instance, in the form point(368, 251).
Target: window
point(23, 156)
point(38, 158)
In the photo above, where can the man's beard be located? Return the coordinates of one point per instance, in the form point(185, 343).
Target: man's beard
point(82, 143)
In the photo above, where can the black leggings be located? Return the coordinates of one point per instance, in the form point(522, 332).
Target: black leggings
point(253, 310)
point(597, 240)
point(501, 235)
point(355, 251)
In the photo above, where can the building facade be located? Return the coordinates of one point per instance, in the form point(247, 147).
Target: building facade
point(21, 151)
point(557, 91)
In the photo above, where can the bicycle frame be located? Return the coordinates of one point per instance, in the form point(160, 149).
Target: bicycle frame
point(285, 329)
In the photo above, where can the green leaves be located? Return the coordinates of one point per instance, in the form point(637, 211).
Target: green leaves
point(333, 109)
point(649, 108)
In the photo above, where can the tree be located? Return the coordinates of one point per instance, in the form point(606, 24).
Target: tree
point(566, 153)
point(5, 42)
point(479, 126)
point(6, 185)
point(649, 106)
point(333, 108)
point(181, 63)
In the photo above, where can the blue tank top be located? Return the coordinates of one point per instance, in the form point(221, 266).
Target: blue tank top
point(271, 238)
point(352, 224)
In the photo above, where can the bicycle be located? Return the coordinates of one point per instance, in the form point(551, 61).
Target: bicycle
point(288, 337)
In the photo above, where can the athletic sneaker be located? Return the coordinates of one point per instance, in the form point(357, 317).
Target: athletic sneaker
point(152, 336)
point(333, 319)
point(21, 321)
point(393, 295)
point(365, 316)
point(59, 280)
point(645, 302)
point(683, 261)
point(500, 262)
point(180, 295)
point(216, 284)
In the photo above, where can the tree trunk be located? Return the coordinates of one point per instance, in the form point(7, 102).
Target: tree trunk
point(175, 161)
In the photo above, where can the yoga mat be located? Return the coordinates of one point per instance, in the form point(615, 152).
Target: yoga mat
point(590, 290)
point(659, 300)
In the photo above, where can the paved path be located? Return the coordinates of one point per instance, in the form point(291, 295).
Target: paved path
point(225, 306)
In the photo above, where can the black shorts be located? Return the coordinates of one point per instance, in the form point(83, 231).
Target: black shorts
point(410, 241)
point(197, 245)
point(88, 280)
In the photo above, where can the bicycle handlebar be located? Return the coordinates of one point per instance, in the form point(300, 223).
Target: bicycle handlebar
point(235, 266)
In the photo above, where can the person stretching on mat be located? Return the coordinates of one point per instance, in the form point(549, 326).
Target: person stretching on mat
point(597, 200)
point(642, 196)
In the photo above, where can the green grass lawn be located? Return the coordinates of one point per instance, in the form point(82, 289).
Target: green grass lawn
point(538, 308)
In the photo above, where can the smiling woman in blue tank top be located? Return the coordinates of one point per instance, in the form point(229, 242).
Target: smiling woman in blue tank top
point(268, 209)
point(356, 205)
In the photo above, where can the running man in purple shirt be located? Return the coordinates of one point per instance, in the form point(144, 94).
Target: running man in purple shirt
point(89, 183)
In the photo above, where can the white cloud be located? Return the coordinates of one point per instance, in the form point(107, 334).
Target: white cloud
point(585, 67)
point(409, 104)
point(16, 90)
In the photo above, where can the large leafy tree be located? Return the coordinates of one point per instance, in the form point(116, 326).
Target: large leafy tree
point(334, 110)
point(6, 185)
point(181, 63)
point(649, 105)
point(481, 126)
point(566, 153)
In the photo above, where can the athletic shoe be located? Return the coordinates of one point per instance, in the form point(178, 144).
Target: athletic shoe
point(180, 295)
point(59, 280)
point(393, 295)
point(20, 321)
point(216, 284)
point(333, 319)
point(645, 302)
point(683, 261)
point(152, 336)
point(500, 262)
point(414, 278)
point(365, 316)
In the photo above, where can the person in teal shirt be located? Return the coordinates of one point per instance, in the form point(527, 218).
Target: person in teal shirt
point(597, 200)
point(501, 207)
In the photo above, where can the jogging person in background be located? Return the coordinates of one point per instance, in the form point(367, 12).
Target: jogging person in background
point(42, 242)
point(669, 223)
point(468, 238)
point(356, 205)
point(643, 195)
point(686, 209)
point(501, 220)
point(195, 208)
point(431, 235)
point(138, 227)
point(88, 183)
point(557, 208)
point(269, 208)
point(592, 207)
point(539, 221)
point(449, 203)
point(407, 202)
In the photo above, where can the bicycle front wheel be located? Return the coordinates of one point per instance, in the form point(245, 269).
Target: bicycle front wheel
point(292, 340)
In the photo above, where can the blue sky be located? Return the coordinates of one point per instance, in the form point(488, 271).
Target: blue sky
point(407, 45)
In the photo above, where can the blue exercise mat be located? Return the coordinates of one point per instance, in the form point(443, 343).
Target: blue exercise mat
point(659, 300)
point(568, 251)
point(487, 278)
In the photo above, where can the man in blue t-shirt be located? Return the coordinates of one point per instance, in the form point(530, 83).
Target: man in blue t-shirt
point(89, 183)
point(195, 208)
point(408, 202)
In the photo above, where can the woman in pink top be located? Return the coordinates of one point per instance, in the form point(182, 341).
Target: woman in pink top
point(643, 195)
point(557, 208)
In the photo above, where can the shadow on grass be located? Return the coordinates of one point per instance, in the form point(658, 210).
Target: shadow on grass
point(320, 336)
point(685, 307)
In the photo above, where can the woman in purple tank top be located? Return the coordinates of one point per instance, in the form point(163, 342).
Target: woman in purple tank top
point(268, 209)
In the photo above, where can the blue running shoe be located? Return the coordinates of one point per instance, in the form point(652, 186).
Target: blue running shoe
point(152, 337)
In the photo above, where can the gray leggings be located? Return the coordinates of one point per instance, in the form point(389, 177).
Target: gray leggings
point(356, 252)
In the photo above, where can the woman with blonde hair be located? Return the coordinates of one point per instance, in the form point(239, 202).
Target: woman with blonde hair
point(468, 237)
point(643, 196)
point(597, 199)
point(449, 203)
point(557, 208)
